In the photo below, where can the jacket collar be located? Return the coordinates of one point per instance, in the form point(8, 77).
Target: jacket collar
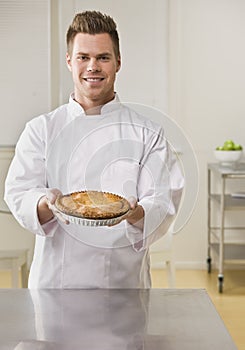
point(77, 110)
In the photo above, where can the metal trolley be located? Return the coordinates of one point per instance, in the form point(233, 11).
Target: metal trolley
point(228, 252)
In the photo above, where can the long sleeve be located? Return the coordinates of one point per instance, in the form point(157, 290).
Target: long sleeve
point(160, 187)
point(26, 180)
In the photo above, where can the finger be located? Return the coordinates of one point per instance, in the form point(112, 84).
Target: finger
point(132, 202)
point(52, 194)
point(51, 206)
point(57, 214)
point(61, 218)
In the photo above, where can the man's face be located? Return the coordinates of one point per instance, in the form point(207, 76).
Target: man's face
point(93, 65)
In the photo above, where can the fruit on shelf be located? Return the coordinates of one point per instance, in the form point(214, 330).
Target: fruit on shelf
point(229, 145)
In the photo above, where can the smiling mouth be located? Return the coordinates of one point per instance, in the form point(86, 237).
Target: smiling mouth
point(93, 80)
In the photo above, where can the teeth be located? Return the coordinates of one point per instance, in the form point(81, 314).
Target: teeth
point(94, 79)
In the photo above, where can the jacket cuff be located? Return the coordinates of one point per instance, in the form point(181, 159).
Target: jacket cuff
point(30, 217)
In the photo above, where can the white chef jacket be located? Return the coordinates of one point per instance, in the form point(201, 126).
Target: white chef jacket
point(118, 151)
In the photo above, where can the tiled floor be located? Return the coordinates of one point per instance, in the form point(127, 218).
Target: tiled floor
point(230, 304)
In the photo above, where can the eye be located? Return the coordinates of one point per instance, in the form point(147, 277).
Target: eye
point(104, 58)
point(82, 58)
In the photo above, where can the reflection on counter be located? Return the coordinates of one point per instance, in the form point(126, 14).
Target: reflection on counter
point(130, 319)
point(91, 319)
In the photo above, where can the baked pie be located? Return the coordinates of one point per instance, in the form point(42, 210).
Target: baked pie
point(92, 204)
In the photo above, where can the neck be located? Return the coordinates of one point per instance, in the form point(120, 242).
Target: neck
point(93, 107)
point(95, 110)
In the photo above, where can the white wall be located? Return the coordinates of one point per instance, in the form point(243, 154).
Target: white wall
point(207, 84)
point(25, 91)
point(12, 235)
point(24, 64)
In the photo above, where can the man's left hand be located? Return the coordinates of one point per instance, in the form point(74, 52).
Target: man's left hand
point(135, 215)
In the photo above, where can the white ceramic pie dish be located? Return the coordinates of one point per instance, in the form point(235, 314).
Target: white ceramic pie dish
point(91, 222)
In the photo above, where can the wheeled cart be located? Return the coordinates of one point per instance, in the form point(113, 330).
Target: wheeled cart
point(229, 251)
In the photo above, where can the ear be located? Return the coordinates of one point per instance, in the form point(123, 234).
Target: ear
point(68, 61)
point(118, 63)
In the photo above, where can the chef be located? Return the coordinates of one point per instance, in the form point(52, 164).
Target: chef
point(94, 142)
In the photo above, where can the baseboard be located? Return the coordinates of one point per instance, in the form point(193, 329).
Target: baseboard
point(195, 265)
point(182, 265)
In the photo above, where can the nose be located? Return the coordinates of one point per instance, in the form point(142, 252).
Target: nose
point(93, 66)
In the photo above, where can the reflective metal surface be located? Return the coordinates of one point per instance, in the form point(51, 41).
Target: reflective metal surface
point(153, 319)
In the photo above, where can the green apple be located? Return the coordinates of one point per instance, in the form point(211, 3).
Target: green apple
point(228, 145)
point(237, 147)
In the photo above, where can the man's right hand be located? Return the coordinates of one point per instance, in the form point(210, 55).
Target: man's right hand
point(46, 209)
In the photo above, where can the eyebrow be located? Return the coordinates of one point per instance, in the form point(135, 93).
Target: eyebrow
point(99, 55)
point(105, 54)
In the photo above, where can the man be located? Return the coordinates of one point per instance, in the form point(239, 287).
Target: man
point(96, 143)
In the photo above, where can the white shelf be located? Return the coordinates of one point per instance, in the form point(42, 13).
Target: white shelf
point(231, 203)
point(228, 246)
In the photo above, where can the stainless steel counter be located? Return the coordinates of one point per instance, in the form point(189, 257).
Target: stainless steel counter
point(153, 319)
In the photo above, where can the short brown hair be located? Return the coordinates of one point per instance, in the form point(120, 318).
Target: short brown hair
point(92, 22)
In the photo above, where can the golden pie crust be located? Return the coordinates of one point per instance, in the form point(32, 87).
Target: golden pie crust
point(92, 204)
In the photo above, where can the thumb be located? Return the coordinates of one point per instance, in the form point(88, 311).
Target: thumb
point(52, 194)
point(132, 202)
